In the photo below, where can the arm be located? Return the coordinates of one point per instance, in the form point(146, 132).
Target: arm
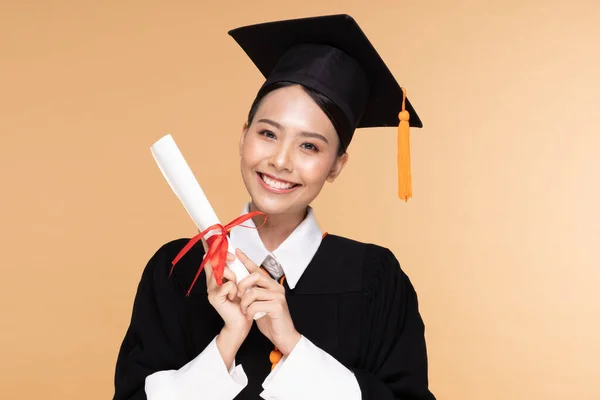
point(393, 363)
point(153, 361)
point(305, 371)
point(206, 375)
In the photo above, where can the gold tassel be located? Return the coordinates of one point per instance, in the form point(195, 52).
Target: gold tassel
point(404, 175)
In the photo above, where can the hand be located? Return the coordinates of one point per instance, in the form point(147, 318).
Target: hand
point(260, 293)
point(225, 301)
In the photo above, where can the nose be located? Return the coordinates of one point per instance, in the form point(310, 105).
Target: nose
point(281, 159)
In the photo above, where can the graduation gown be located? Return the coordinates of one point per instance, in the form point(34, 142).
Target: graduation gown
point(353, 301)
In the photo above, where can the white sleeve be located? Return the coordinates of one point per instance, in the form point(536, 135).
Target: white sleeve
point(204, 377)
point(310, 373)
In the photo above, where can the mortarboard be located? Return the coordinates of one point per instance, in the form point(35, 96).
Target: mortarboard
point(332, 55)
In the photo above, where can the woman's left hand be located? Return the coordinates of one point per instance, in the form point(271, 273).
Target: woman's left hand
point(267, 296)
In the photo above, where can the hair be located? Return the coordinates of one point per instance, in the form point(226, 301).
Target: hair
point(333, 112)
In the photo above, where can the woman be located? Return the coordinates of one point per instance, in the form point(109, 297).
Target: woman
point(341, 317)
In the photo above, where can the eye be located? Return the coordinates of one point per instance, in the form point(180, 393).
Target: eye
point(267, 133)
point(310, 147)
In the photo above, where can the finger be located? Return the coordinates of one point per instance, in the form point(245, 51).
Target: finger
point(227, 291)
point(231, 290)
point(230, 257)
point(208, 271)
point(228, 274)
point(272, 308)
point(248, 263)
point(258, 279)
point(256, 294)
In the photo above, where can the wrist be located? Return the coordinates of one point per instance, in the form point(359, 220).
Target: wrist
point(232, 337)
point(290, 344)
point(228, 343)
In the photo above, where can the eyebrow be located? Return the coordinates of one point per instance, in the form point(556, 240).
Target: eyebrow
point(277, 125)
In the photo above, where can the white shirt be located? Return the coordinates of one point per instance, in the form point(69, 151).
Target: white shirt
point(291, 257)
point(307, 373)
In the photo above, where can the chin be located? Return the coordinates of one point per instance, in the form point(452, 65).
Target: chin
point(274, 206)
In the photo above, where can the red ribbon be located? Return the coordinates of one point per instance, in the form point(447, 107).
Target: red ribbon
point(217, 247)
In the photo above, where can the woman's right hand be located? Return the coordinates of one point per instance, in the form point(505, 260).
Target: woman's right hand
point(226, 302)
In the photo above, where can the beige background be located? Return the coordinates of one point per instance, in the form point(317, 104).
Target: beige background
point(501, 238)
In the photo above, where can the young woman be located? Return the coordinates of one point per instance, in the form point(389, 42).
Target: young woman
point(341, 317)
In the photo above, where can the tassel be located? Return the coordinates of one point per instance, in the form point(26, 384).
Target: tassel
point(404, 174)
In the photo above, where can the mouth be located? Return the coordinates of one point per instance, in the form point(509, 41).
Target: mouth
point(275, 185)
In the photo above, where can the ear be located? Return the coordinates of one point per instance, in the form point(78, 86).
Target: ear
point(243, 136)
point(337, 167)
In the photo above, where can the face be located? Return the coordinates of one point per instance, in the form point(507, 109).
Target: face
point(288, 152)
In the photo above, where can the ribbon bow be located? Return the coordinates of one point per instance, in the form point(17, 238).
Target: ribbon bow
point(217, 247)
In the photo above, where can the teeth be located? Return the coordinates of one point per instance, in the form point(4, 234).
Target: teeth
point(276, 184)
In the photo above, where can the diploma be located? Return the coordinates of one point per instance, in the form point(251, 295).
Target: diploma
point(185, 186)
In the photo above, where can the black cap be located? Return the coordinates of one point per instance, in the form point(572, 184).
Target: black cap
point(333, 56)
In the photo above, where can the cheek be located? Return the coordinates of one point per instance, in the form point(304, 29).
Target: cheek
point(314, 169)
point(252, 152)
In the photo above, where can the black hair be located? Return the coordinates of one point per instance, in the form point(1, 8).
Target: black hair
point(333, 112)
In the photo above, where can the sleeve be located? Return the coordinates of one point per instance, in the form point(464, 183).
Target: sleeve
point(205, 374)
point(393, 363)
point(153, 362)
point(310, 373)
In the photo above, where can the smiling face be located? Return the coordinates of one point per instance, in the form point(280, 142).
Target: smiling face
point(288, 152)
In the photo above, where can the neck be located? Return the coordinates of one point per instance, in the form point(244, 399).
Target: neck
point(278, 227)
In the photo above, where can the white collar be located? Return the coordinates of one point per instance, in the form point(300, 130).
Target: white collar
point(294, 254)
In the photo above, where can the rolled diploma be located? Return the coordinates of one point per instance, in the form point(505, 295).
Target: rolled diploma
point(183, 182)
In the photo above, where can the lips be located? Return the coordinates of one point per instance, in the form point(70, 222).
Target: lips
point(276, 185)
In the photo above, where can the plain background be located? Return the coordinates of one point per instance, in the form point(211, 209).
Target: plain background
point(501, 238)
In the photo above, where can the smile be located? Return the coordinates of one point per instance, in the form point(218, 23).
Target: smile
point(275, 185)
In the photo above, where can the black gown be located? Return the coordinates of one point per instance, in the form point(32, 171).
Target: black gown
point(353, 301)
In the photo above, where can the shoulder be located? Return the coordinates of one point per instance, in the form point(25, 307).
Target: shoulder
point(372, 253)
point(161, 272)
point(378, 264)
point(384, 283)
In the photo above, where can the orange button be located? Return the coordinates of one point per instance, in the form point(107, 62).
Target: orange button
point(275, 356)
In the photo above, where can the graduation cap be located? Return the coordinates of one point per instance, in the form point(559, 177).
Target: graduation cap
point(331, 55)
